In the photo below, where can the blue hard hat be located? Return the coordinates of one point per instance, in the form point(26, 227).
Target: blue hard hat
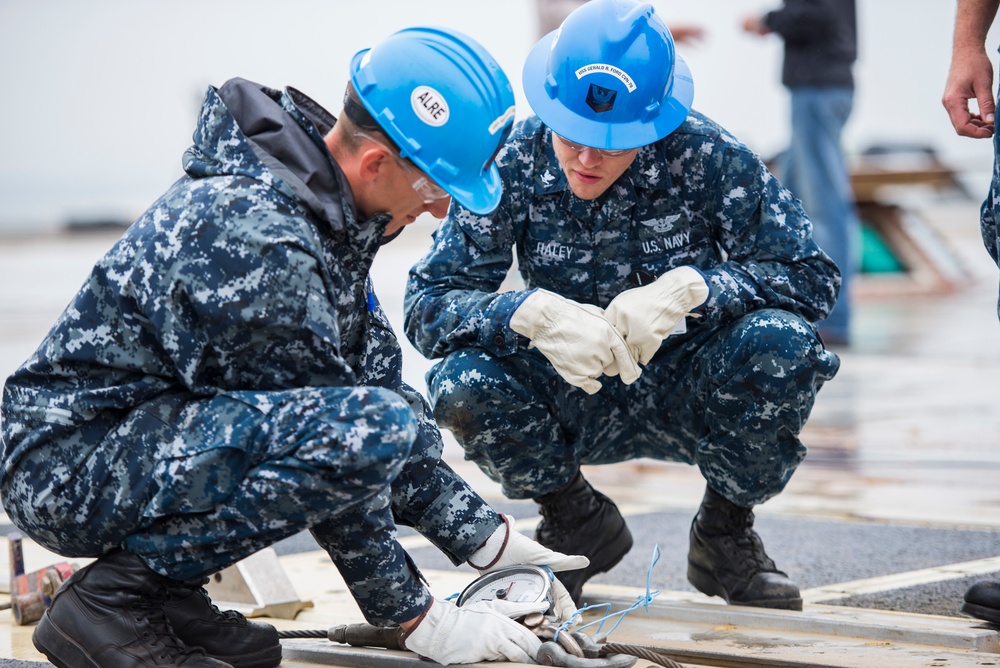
point(609, 77)
point(443, 99)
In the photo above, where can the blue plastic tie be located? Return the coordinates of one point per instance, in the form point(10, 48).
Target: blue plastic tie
point(643, 600)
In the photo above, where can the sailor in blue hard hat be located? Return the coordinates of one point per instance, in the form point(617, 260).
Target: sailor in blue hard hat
point(671, 289)
point(226, 378)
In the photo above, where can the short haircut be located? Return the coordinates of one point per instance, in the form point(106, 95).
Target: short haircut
point(359, 119)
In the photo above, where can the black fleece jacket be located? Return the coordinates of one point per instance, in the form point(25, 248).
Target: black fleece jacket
point(820, 41)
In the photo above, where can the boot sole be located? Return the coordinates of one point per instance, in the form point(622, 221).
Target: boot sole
point(706, 583)
point(265, 658)
point(57, 647)
point(989, 615)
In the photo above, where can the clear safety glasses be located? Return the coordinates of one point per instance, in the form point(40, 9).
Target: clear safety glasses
point(422, 184)
point(604, 152)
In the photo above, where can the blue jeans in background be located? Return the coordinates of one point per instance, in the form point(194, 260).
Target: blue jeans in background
point(815, 170)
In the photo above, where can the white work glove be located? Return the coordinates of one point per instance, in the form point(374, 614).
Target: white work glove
point(576, 338)
point(647, 315)
point(480, 631)
point(506, 547)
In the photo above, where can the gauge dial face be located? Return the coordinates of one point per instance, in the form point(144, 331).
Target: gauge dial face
point(518, 584)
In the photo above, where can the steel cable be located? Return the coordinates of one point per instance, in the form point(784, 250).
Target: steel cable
point(313, 633)
point(644, 653)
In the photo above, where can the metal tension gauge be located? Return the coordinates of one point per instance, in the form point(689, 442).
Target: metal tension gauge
point(524, 583)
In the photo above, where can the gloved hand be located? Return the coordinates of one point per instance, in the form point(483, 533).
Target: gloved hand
point(647, 315)
point(480, 631)
point(576, 338)
point(506, 547)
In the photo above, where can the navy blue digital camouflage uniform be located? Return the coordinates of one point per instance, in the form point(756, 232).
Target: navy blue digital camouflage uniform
point(730, 395)
point(225, 378)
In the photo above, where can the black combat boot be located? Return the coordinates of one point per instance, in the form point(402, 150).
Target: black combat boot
point(726, 558)
point(578, 519)
point(109, 615)
point(225, 635)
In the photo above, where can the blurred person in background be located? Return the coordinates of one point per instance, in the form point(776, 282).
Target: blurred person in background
point(820, 43)
point(672, 291)
point(970, 78)
point(225, 378)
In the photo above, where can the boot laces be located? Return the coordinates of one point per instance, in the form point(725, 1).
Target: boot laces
point(185, 588)
point(157, 632)
point(748, 542)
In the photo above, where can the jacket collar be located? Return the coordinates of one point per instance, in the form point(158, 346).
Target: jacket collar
point(285, 132)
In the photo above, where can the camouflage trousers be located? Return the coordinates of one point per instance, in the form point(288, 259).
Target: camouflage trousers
point(193, 485)
point(731, 399)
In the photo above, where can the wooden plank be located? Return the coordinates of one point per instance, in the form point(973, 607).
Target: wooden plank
point(696, 629)
point(868, 181)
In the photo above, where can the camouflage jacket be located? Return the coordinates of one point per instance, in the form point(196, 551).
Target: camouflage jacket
point(697, 197)
point(250, 272)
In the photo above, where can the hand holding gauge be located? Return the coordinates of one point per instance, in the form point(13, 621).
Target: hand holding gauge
point(507, 548)
point(516, 585)
point(524, 583)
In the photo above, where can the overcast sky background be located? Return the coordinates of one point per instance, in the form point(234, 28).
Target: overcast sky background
point(100, 97)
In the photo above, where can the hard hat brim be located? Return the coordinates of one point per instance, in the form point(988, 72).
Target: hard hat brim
point(479, 194)
point(674, 107)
